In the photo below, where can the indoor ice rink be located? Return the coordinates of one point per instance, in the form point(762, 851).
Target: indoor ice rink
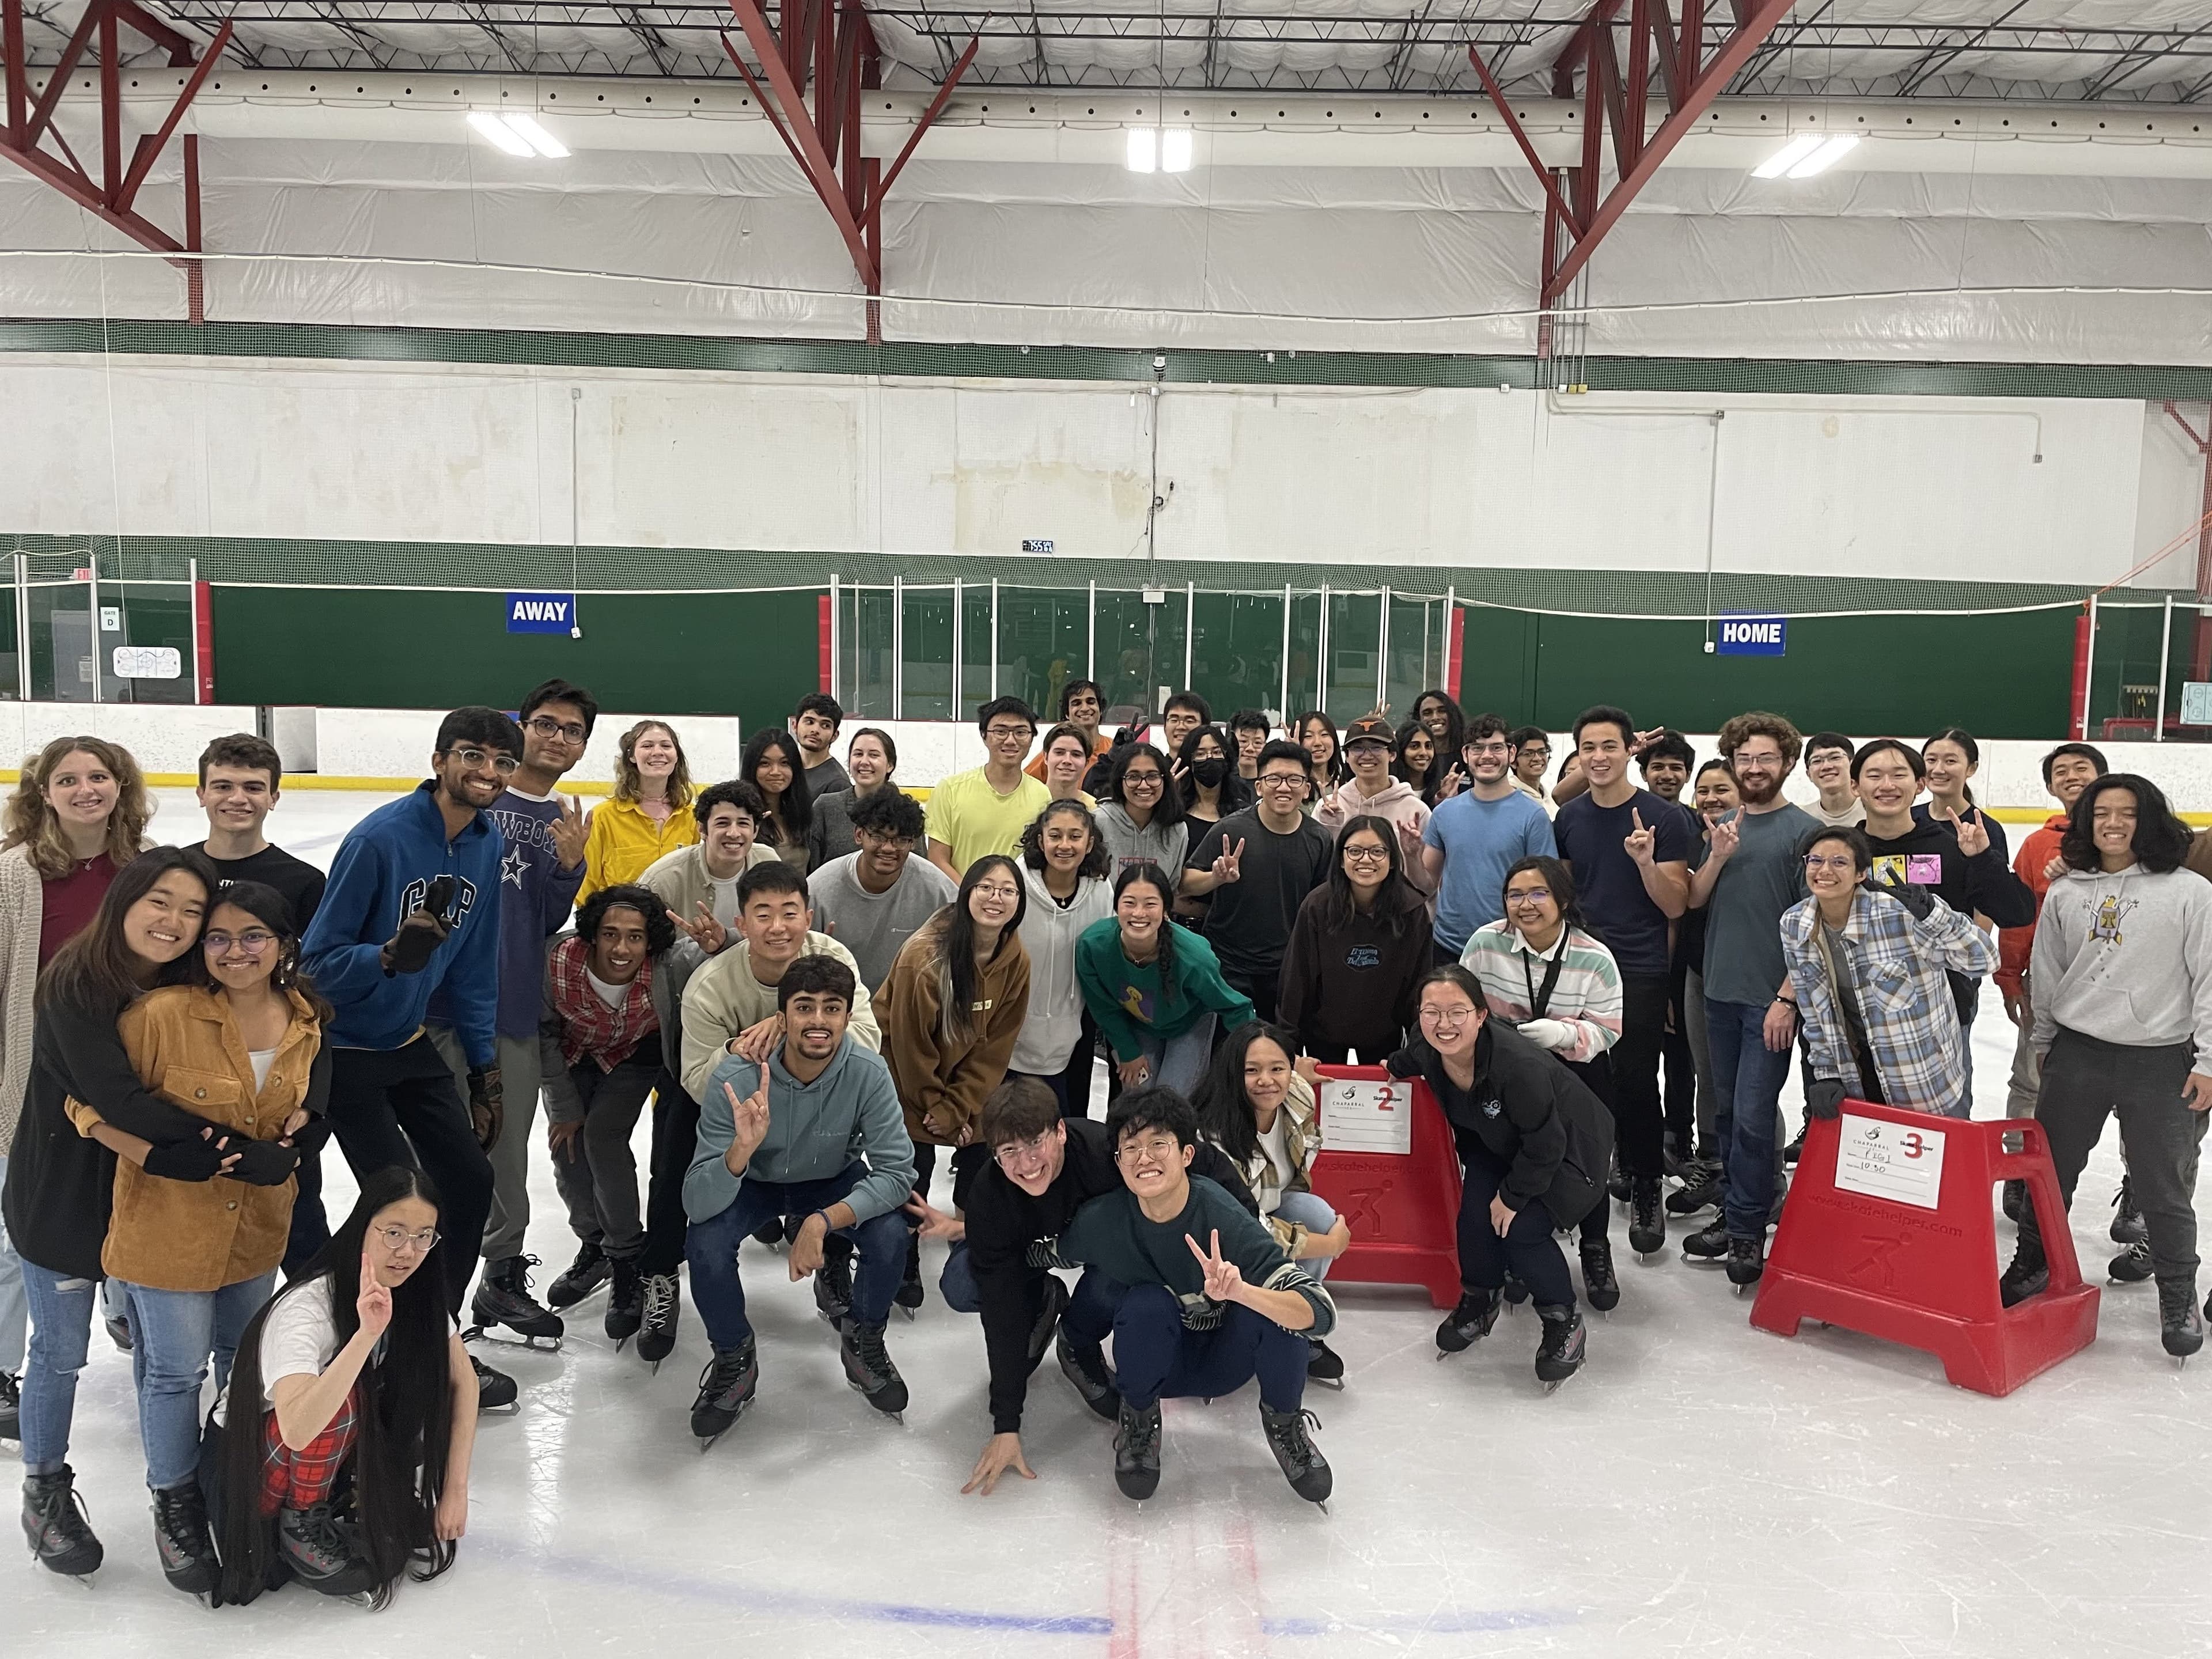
point(369, 360)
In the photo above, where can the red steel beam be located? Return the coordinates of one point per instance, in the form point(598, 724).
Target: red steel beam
point(1639, 70)
point(800, 131)
point(1554, 202)
point(150, 145)
point(1671, 78)
point(1735, 51)
point(929, 116)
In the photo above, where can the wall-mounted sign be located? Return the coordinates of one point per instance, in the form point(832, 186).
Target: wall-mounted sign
point(540, 613)
point(1753, 637)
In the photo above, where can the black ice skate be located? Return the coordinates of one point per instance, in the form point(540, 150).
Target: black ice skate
point(625, 1303)
point(503, 1299)
point(591, 1269)
point(495, 1390)
point(1137, 1451)
point(1303, 1465)
point(1468, 1324)
point(2131, 1266)
point(1089, 1372)
point(726, 1388)
point(55, 1522)
point(180, 1533)
point(868, 1367)
point(1600, 1285)
point(1747, 1262)
point(1324, 1365)
point(1647, 1219)
point(2128, 1226)
point(2180, 1327)
point(664, 1304)
point(833, 1286)
point(320, 1550)
point(1559, 1355)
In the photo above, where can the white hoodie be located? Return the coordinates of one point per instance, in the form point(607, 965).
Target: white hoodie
point(2126, 957)
point(1054, 1023)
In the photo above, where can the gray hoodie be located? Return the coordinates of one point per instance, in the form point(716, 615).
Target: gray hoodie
point(814, 1131)
point(2126, 958)
point(1054, 1024)
point(1163, 844)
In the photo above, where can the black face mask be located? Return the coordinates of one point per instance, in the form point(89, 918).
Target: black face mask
point(1210, 773)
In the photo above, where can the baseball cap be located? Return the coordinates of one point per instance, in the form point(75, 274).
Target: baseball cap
point(1369, 728)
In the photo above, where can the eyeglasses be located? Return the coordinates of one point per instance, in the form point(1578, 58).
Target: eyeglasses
point(254, 941)
point(398, 1238)
point(546, 726)
point(1281, 781)
point(879, 838)
point(1527, 895)
point(472, 758)
point(1142, 780)
point(1821, 861)
point(1161, 1148)
point(1489, 748)
point(996, 890)
point(1771, 757)
point(1366, 854)
point(1022, 1152)
point(1004, 733)
point(1446, 1019)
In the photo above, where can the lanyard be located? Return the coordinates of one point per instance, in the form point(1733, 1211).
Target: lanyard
point(1540, 998)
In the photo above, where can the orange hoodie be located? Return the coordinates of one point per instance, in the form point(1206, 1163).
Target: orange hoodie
point(2014, 943)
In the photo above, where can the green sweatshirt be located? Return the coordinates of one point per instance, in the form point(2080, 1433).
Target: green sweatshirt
point(1124, 997)
point(1113, 1234)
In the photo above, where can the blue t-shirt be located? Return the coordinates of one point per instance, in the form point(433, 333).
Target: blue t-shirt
point(1607, 885)
point(1481, 840)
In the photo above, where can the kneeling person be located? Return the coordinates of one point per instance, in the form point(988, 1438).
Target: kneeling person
point(785, 1140)
point(1197, 1318)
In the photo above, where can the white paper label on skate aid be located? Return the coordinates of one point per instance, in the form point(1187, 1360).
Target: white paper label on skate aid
point(1895, 1161)
point(1367, 1115)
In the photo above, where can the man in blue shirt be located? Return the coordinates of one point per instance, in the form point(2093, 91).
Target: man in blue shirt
point(1475, 837)
point(412, 906)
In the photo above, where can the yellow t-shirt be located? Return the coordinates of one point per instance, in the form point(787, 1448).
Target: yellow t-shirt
point(975, 820)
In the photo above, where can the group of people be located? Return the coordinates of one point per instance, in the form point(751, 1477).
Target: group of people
point(817, 985)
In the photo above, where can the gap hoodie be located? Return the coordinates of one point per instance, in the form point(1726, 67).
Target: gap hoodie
point(2125, 957)
point(382, 868)
point(815, 1130)
point(1054, 1024)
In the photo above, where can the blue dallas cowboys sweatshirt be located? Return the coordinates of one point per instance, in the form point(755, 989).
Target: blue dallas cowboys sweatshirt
point(382, 868)
point(536, 895)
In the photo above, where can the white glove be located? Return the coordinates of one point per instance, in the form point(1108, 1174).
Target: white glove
point(1554, 1034)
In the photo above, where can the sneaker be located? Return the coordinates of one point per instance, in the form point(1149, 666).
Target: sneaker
point(495, 1390)
point(833, 1286)
point(1137, 1451)
point(591, 1269)
point(2029, 1274)
point(2131, 1266)
point(1703, 1191)
point(1323, 1364)
point(625, 1302)
point(868, 1366)
point(1469, 1322)
point(1089, 1372)
point(503, 1297)
point(726, 1388)
point(1600, 1286)
point(2128, 1226)
point(55, 1521)
point(1301, 1460)
point(664, 1304)
point(1709, 1243)
point(11, 1407)
point(1746, 1261)
point(180, 1534)
point(1647, 1220)
point(2180, 1327)
point(318, 1548)
point(1564, 1343)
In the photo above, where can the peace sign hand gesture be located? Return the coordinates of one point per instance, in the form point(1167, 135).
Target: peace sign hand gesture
point(1225, 1281)
point(1639, 842)
point(374, 1304)
point(1230, 866)
point(569, 832)
point(1973, 831)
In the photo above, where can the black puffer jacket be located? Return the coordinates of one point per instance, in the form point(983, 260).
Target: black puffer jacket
point(1527, 1109)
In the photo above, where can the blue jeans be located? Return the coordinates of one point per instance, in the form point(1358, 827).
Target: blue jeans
point(711, 1246)
point(1157, 1356)
point(1311, 1211)
point(1180, 1062)
point(1748, 1076)
point(61, 1332)
point(14, 1311)
point(175, 1333)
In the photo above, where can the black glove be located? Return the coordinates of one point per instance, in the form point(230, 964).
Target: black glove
point(409, 950)
point(199, 1159)
point(262, 1163)
point(487, 1105)
point(1824, 1097)
point(1917, 900)
point(310, 1138)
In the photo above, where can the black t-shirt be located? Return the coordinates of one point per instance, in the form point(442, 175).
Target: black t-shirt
point(1248, 923)
point(1607, 885)
point(299, 882)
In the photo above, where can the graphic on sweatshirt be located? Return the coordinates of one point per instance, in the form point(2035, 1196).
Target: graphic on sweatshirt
point(2111, 910)
point(464, 897)
point(1908, 869)
point(1137, 1004)
point(1364, 955)
point(513, 867)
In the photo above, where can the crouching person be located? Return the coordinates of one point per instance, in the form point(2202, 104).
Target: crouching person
point(1210, 1301)
point(341, 1452)
point(814, 1136)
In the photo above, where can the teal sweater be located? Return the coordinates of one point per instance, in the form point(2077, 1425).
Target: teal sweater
point(1113, 1234)
point(1125, 998)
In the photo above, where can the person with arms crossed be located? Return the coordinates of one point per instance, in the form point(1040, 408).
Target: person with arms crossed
point(975, 813)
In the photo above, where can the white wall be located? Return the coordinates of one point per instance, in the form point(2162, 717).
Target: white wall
point(1944, 488)
point(160, 737)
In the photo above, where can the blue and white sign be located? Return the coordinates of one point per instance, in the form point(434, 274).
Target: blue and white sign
point(540, 613)
point(1753, 637)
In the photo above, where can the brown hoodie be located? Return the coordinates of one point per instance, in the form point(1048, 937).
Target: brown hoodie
point(943, 1077)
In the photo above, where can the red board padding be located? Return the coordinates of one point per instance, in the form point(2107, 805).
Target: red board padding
point(1926, 1278)
point(1402, 1210)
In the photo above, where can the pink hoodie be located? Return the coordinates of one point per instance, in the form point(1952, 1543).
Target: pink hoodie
point(1397, 804)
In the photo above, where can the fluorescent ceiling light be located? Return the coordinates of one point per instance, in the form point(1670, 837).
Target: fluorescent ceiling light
point(1788, 156)
point(1826, 156)
point(1143, 156)
point(1175, 150)
point(536, 135)
point(499, 132)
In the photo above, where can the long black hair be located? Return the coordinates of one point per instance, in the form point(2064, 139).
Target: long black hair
point(1224, 1110)
point(952, 936)
point(268, 907)
point(1439, 764)
point(1343, 906)
point(2161, 840)
point(1338, 771)
point(1157, 880)
point(795, 808)
point(1096, 863)
point(1235, 794)
point(97, 969)
point(1170, 811)
point(1455, 737)
point(403, 1409)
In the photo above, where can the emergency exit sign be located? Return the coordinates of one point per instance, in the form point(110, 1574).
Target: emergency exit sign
point(1753, 637)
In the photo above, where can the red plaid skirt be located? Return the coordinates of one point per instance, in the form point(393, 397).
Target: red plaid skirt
point(300, 1479)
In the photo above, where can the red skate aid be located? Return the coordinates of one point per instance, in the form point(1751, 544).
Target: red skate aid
point(1888, 1230)
point(1388, 1166)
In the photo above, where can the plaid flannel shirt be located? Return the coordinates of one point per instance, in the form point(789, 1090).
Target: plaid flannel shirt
point(1896, 962)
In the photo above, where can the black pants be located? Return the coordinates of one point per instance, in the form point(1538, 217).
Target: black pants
point(675, 1141)
point(310, 1227)
point(1527, 1248)
point(2084, 1082)
point(1597, 1073)
point(1639, 1124)
point(1679, 1067)
point(399, 1106)
point(1262, 988)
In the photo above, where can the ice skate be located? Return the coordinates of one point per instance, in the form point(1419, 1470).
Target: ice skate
point(1559, 1355)
point(1302, 1463)
point(726, 1388)
point(503, 1300)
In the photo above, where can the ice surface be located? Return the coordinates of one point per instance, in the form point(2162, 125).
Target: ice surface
point(1702, 1488)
